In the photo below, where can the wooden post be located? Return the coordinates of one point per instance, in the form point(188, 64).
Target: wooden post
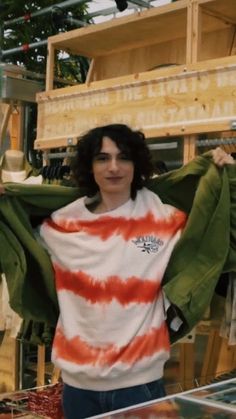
point(50, 67)
point(193, 42)
point(15, 128)
point(189, 148)
point(211, 357)
point(41, 366)
point(7, 110)
point(227, 358)
point(55, 375)
point(187, 360)
point(9, 364)
point(89, 77)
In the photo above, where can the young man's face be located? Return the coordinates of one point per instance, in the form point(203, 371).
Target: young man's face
point(112, 169)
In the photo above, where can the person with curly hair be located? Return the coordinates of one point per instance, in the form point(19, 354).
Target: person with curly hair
point(110, 249)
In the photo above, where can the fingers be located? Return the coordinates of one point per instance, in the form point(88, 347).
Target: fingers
point(2, 190)
point(220, 157)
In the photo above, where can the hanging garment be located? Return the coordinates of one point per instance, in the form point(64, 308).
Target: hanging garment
point(228, 325)
point(9, 319)
point(13, 168)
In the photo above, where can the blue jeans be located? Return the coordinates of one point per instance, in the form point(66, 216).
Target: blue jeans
point(78, 403)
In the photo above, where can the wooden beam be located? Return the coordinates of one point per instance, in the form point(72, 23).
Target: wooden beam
point(5, 122)
point(50, 67)
point(194, 30)
point(16, 128)
point(9, 363)
point(187, 360)
point(189, 148)
point(40, 381)
point(211, 357)
point(90, 73)
point(195, 101)
point(56, 373)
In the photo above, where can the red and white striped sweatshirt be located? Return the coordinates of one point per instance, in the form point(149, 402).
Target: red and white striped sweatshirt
point(111, 332)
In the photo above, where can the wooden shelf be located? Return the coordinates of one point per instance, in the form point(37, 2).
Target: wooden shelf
point(155, 25)
point(224, 10)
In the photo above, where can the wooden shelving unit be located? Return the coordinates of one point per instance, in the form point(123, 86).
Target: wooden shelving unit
point(169, 71)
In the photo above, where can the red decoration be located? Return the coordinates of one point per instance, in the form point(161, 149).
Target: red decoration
point(47, 402)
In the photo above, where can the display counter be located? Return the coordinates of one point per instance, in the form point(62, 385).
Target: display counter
point(217, 400)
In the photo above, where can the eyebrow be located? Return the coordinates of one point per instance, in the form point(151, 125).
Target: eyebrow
point(108, 154)
point(101, 153)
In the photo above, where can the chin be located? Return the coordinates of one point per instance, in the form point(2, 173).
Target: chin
point(115, 189)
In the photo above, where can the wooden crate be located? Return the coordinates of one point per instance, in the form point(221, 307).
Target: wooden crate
point(161, 103)
point(193, 93)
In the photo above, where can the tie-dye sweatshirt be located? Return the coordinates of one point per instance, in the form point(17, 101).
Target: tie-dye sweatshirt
point(111, 331)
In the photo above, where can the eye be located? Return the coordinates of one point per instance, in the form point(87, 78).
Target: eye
point(124, 156)
point(101, 157)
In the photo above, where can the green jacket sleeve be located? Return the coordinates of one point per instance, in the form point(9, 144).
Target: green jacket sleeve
point(207, 245)
point(230, 264)
point(26, 264)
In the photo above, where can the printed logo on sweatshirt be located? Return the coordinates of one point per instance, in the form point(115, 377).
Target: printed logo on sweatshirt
point(148, 244)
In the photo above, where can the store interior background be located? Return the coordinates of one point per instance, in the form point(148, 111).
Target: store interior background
point(194, 362)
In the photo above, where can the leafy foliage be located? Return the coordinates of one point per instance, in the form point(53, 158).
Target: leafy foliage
point(37, 29)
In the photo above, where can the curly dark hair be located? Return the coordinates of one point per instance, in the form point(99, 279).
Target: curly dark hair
point(131, 142)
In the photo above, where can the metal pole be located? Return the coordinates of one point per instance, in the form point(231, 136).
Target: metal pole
point(141, 3)
point(72, 21)
point(46, 10)
point(1, 31)
point(1, 39)
point(106, 12)
point(134, 4)
point(24, 47)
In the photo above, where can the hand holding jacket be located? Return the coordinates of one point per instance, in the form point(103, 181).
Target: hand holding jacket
point(221, 158)
point(2, 189)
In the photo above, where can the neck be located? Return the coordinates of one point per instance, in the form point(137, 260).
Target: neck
point(110, 202)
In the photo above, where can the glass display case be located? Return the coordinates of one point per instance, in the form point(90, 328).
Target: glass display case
point(217, 400)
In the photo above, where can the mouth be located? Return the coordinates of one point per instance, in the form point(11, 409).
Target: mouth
point(114, 178)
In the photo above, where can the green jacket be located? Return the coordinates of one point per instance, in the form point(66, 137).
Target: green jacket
point(206, 248)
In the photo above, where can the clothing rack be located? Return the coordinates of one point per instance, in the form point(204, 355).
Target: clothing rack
point(63, 154)
point(207, 142)
point(56, 172)
point(216, 142)
point(59, 155)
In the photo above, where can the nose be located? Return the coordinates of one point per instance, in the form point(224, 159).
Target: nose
point(113, 164)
